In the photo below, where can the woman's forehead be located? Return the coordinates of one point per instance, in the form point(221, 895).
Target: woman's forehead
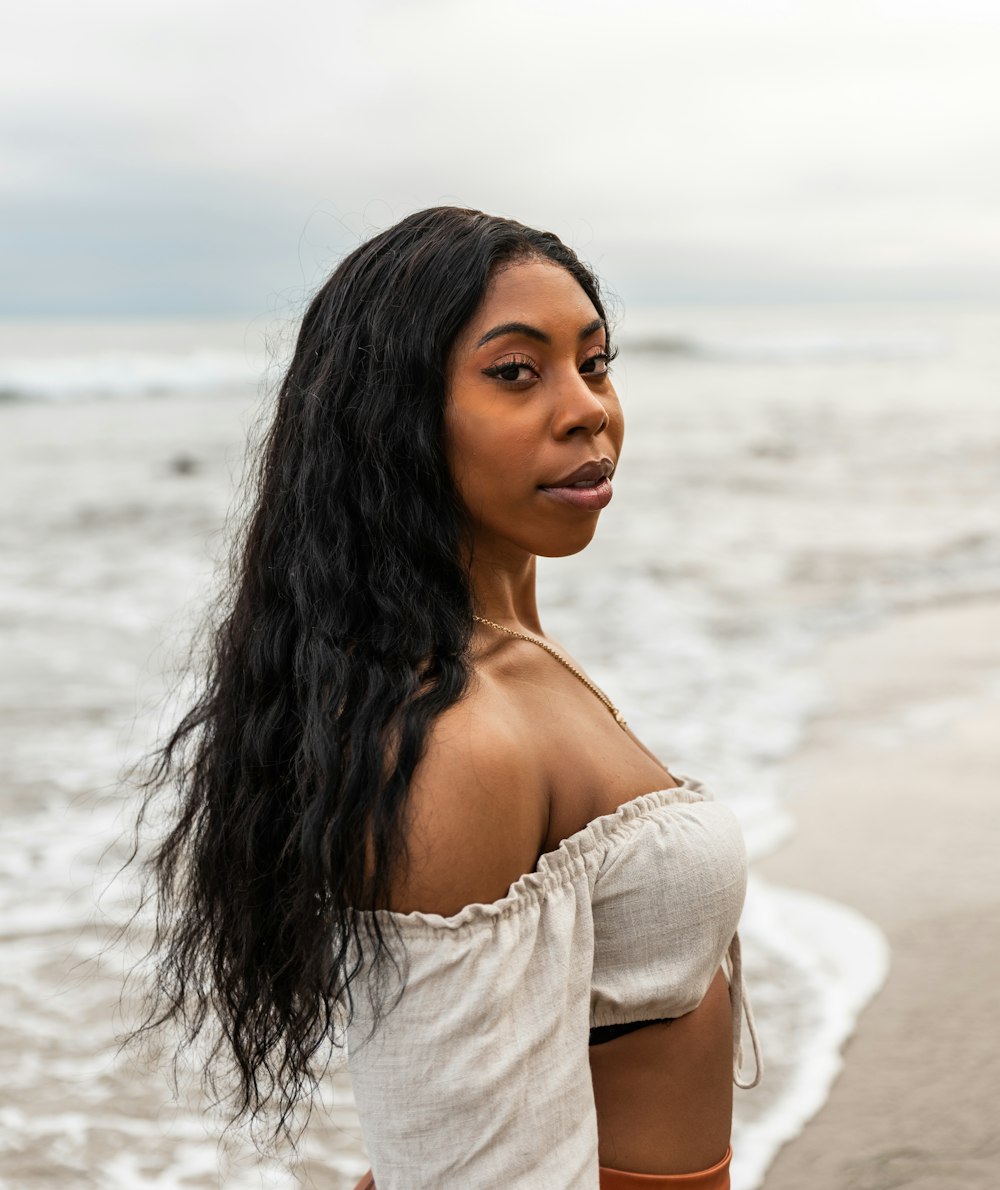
point(534, 291)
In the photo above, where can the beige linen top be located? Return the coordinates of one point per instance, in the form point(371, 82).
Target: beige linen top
point(478, 1077)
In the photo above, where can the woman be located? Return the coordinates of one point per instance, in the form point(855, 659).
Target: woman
point(406, 813)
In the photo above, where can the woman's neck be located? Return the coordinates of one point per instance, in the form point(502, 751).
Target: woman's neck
point(503, 589)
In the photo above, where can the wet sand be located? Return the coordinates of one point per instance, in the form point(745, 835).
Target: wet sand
point(897, 797)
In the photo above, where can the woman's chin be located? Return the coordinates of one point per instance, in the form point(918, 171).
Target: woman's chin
point(535, 536)
point(567, 544)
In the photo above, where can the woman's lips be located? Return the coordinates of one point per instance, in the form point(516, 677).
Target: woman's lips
point(593, 497)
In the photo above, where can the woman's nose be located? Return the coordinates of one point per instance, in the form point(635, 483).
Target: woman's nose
point(580, 410)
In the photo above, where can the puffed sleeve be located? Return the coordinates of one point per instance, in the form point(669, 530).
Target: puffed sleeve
point(477, 1076)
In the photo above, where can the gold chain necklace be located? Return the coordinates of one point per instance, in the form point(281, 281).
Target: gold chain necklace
point(619, 718)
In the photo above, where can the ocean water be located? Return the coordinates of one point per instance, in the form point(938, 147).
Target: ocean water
point(788, 475)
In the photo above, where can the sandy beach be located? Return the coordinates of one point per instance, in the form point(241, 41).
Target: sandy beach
point(895, 795)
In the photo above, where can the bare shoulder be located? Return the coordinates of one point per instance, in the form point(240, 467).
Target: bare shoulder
point(478, 806)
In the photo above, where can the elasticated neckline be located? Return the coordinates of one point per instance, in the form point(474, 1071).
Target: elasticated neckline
point(555, 868)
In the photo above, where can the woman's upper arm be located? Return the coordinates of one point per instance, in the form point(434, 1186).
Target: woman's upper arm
point(477, 814)
point(478, 1074)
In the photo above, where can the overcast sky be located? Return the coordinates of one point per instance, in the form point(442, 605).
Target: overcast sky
point(209, 156)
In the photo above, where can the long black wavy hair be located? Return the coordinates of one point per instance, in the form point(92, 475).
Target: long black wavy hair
point(342, 634)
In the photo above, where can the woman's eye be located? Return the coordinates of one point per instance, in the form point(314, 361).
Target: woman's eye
point(512, 371)
point(596, 365)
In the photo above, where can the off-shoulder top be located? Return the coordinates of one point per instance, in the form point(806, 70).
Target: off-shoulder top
point(477, 1075)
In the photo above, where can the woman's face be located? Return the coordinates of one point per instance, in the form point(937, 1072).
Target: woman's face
point(529, 404)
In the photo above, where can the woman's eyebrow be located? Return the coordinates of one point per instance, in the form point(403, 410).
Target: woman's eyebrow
point(532, 332)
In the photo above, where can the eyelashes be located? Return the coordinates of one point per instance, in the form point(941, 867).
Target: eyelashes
point(603, 357)
point(512, 369)
point(507, 369)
